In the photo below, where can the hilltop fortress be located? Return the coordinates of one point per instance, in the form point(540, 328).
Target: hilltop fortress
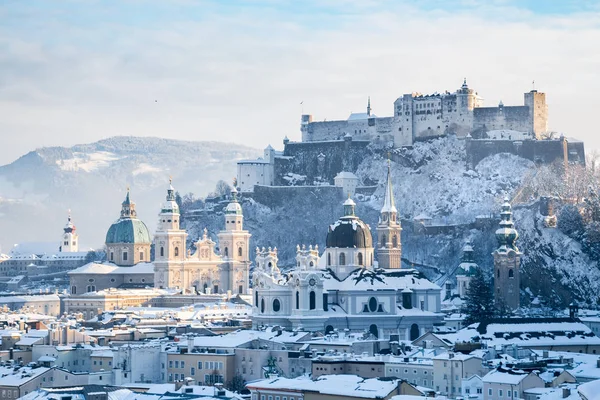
point(418, 116)
point(331, 151)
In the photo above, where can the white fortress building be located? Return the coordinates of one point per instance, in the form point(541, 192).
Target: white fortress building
point(343, 288)
point(417, 116)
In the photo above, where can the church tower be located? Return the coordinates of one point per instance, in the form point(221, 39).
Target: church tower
point(169, 245)
point(70, 238)
point(234, 243)
point(389, 248)
point(507, 262)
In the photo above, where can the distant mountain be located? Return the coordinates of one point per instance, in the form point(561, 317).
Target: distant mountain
point(91, 179)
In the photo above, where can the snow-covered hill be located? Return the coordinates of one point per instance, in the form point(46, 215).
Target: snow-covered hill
point(91, 179)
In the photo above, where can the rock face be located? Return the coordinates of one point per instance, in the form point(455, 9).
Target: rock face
point(91, 179)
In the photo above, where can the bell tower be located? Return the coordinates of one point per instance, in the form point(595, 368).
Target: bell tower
point(389, 248)
point(70, 239)
point(169, 245)
point(234, 243)
point(507, 262)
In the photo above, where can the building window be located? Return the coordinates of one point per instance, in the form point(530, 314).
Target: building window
point(73, 289)
point(511, 273)
point(313, 300)
point(255, 298)
point(500, 393)
point(262, 305)
point(328, 259)
point(342, 259)
point(240, 289)
point(489, 392)
point(124, 256)
point(297, 300)
point(176, 251)
point(216, 289)
point(162, 251)
point(141, 256)
point(239, 251)
point(394, 240)
point(112, 256)
point(226, 252)
point(276, 305)
point(360, 259)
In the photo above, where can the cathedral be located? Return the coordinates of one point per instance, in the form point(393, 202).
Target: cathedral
point(206, 270)
point(344, 288)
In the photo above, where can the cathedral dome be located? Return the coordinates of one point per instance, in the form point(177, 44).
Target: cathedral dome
point(128, 230)
point(349, 231)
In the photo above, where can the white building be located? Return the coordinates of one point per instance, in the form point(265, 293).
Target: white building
point(502, 383)
point(347, 181)
point(451, 368)
point(343, 288)
point(260, 171)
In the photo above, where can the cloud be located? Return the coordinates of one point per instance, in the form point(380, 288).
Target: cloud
point(238, 71)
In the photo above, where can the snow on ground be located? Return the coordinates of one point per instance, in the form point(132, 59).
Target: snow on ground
point(433, 179)
point(144, 168)
point(87, 161)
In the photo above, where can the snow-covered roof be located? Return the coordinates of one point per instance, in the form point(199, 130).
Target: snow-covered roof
point(589, 390)
point(241, 337)
point(346, 175)
point(39, 248)
point(18, 299)
point(109, 268)
point(364, 279)
point(337, 385)
point(359, 116)
point(500, 375)
point(13, 378)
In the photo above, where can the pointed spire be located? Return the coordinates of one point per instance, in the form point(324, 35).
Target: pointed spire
point(171, 190)
point(389, 205)
point(369, 106)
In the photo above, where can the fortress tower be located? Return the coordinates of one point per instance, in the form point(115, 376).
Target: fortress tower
point(389, 248)
point(507, 262)
point(538, 112)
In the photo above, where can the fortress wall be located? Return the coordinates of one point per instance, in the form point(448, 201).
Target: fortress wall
point(275, 196)
point(540, 151)
point(515, 118)
point(303, 158)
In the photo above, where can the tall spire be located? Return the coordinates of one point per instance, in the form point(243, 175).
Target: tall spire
point(369, 106)
point(389, 205)
point(128, 207)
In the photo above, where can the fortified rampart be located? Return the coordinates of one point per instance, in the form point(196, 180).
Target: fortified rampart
point(539, 151)
point(319, 161)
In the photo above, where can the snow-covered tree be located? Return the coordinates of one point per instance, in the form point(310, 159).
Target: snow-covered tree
point(570, 221)
point(479, 304)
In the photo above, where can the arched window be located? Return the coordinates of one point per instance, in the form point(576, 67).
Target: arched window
point(141, 256)
point(255, 298)
point(162, 251)
point(498, 273)
point(312, 300)
point(511, 273)
point(112, 256)
point(239, 251)
point(276, 305)
point(373, 330)
point(372, 304)
point(262, 305)
point(240, 289)
point(226, 252)
point(342, 259)
point(360, 259)
point(383, 240)
point(311, 264)
point(414, 331)
point(395, 241)
point(176, 252)
point(328, 329)
point(297, 300)
point(328, 259)
point(73, 289)
point(216, 289)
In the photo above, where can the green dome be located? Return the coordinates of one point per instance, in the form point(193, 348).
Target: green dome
point(128, 230)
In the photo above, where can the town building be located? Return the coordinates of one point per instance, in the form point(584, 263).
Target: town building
point(466, 270)
point(503, 383)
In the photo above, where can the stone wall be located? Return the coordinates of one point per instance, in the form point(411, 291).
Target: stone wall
point(516, 118)
point(540, 151)
point(361, 129)
point(320, 161)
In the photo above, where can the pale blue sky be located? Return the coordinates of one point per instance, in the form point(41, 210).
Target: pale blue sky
point(79, 70)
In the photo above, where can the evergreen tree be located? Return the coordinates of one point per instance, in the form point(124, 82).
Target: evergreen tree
point(479, 304)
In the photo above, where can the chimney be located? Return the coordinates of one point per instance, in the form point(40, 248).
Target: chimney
point(566, 393)
point(598, 363)
point(179, 384)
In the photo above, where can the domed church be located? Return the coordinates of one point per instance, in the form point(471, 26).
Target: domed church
point(344, 288)
point(128, 239)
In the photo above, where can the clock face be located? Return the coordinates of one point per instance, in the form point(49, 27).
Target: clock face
point(312, 282)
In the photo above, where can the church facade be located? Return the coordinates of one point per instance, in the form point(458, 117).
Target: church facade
point(344, 288)
point(207, 270)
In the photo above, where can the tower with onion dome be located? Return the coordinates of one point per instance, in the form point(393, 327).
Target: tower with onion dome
point(507, 261)
point(234, 243)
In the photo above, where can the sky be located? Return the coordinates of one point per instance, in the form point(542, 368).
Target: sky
point(77, 71)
